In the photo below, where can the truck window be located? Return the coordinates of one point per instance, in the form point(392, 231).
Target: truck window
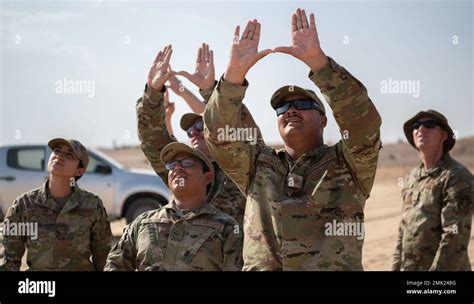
point(26, 158)
point(93, 163)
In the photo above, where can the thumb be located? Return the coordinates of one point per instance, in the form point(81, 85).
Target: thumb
point(170, 73)
point(284, 49)
point(263, 53)
point(184, 74)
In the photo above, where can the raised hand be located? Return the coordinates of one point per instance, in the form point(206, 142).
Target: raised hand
point(204, 74)
point(169, 106)
point(169, 110)
point(244, 52)
point(305, 42)
point(175, 85)
point(159, 70)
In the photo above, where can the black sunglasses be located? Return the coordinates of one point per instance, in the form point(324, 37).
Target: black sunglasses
point(185, 162)
point(198, 126)
point(299, 104)
point(428, 124)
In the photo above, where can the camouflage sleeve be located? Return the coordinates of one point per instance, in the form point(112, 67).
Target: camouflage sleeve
point(101, 238)
point(233, 249)
point(456, 218)
point(357, 117)
point(123, 255)
point(13, 247)
point(223, 112)
point(206, 94)
point(396, 261)
point(152, 131)
point(246, 116)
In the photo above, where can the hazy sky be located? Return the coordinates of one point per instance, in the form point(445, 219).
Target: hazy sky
point(111, 44)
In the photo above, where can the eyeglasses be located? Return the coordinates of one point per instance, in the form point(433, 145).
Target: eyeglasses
point(299, 104)
point(428, 124)
point(185, 162)
point(198, 126)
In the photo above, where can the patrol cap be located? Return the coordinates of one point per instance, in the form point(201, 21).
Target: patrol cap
point(188, 120)
point(436, 116)
point(170, 151)
point(282, 93)
point(77, 148)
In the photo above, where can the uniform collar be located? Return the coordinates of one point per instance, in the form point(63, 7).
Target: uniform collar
point(206, 209)
point(439, 165)
point(46, 200)
point(317, 152)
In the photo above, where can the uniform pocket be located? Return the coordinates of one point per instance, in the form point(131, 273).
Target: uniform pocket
point(205, 247)
point(151, 243)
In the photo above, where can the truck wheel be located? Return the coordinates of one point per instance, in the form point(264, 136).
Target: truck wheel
point(139, 206)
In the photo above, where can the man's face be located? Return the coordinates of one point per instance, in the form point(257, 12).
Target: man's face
point(301, 123)
point(62, 162)
point(429, 138)
point(197, 139)
point(190, 179)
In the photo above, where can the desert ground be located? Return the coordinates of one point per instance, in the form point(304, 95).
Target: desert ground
point(383, 208)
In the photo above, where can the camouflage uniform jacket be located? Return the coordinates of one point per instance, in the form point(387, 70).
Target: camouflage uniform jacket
point(436, 220)
point(165, 239)
point(72, 237)
point(289, 203)
point(154, 137)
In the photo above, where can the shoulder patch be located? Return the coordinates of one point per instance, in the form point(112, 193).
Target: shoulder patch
point(460, 186)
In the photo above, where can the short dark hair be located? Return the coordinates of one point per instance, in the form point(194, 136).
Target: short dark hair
point(205, 169)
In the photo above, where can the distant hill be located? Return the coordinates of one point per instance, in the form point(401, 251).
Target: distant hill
point(399, 154)
point(403, 154)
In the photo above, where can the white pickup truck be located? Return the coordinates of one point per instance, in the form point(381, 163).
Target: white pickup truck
point(124, 192)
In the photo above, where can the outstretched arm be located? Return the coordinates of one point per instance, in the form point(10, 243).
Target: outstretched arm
point(196, 105)
point(203, 77)
point(169, 110)
point(305, 42)
point(355, 114)
point(151, 113)
point(244, 52)
point(224, 109)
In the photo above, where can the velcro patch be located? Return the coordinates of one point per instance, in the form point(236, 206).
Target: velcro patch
point(154, 220)
point(209, 223)
point(272, 161)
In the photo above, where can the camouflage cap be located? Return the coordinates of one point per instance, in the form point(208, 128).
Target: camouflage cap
point(170, 151)
point(188, 120)
point(288, 90)
point(439, 118)
point(78, 149)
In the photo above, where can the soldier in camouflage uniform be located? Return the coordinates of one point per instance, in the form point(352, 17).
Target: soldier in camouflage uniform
point(188, 234)
point(437, 196)
point(73, 231)
point(293, 194)
point(154, 134)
